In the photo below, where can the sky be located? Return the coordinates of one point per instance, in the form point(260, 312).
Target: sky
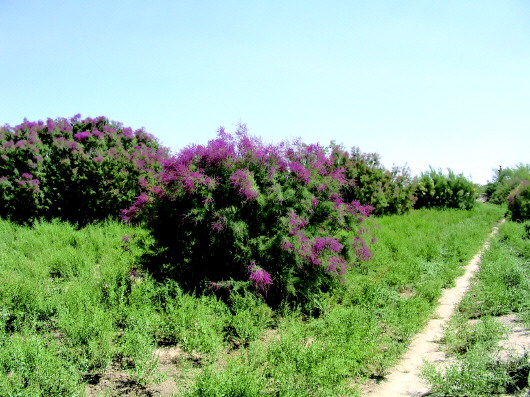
point(442, 84)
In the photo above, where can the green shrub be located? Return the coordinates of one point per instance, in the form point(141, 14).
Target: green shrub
point(370, 183)
point(519, 202)
point(79, 170)
point(505, 180)
point(436, 190)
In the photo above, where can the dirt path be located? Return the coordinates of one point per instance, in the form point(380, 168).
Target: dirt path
point(404, 379)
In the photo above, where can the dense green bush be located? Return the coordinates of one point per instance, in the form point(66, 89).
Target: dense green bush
point(519, 202)
point(436, 190)
point(504, 181)
point(237, 210)
point(75, 169)
point(369, 182)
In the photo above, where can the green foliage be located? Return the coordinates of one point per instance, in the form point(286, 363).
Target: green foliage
point(79, 170)
point(32, 365)
point(370, 183)
point(436, 190)
point(478, 376)
point(519, 202)
point(504, 181)
point(250, 316)
point(197, 324)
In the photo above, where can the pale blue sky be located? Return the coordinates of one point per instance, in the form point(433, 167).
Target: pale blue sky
point(440, 83)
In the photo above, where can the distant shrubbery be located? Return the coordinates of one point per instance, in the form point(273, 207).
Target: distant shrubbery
point(369, 182)
point(239, 210)
point(511, 186)
point(75, 169)
point(504, 181)
point(437, 190)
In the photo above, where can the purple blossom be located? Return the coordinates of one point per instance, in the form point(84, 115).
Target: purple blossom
point(26, 175)
point(286, 245)
point(72, 145)
point(82, 135)
point(217, 226)
point(336, 265)
point(243, 179)
point(259, 277)
point(296, 222)
point(362, 250)
point(128, 133)
point(158, 191)
point(301, 172)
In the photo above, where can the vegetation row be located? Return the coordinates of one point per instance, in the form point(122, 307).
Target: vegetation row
point(286, 219)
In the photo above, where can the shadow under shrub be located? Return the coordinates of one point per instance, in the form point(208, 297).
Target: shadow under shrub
point(239, 211)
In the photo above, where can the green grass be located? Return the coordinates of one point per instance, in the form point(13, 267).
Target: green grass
point(74, 304)
point(501, 287)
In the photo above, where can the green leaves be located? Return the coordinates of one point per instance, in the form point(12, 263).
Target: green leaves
point(437, 190)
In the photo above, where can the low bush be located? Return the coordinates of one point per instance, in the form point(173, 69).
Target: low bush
point(519, 202)
point(237, 210)
point(437, 190)
point(369, 182)
point(79, 170)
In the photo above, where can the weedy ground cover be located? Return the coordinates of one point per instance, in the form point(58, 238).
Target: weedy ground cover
point(75, 303)
point(502, 287)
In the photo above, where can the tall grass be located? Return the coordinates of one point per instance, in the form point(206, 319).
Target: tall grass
point(74, 303)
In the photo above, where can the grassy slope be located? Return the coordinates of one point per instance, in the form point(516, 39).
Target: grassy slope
point(72, 303)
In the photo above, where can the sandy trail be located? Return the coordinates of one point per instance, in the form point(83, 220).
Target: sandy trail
point(404, 379)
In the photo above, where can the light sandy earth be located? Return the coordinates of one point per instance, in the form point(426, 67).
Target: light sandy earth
point(404, 379)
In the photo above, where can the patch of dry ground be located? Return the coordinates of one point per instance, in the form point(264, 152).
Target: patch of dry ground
point(116, 382)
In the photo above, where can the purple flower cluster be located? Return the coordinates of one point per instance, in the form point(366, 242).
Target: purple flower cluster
point(243, 180)
point(261, 280)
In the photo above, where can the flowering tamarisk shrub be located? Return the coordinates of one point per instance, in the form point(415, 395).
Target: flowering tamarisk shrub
point(79, 170)
point(238, 210)
point(369, 182)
